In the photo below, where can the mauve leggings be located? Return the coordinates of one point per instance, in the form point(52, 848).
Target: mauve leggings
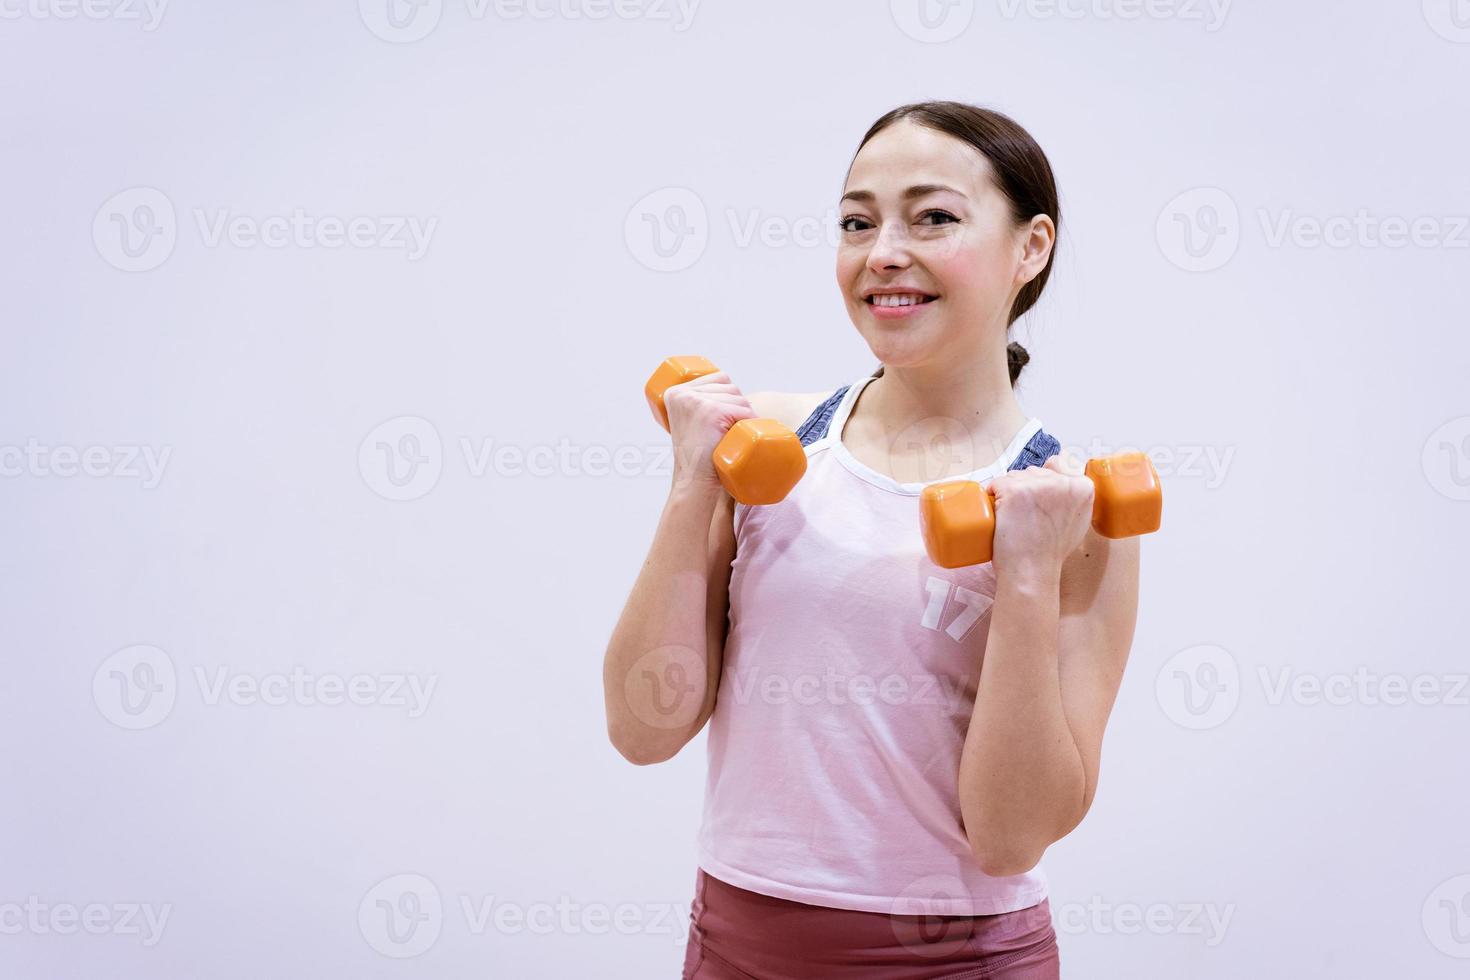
point(735, 934)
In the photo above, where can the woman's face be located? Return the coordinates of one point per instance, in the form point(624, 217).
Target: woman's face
point(921, 213)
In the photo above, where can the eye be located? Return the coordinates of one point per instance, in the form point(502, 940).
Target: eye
point(864, 224)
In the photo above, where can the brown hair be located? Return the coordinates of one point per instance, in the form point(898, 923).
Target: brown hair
point(1022, 173)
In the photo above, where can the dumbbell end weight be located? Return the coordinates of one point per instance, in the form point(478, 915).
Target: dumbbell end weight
point(1127, 498)
point(759, 461)
point(673, 371)
point(957, 518)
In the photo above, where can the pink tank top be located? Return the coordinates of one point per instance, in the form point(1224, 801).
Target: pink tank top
point(849, 677)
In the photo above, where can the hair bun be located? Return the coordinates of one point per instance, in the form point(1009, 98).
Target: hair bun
point(1017, 357)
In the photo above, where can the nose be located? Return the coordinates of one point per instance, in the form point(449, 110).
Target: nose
point(890, 248)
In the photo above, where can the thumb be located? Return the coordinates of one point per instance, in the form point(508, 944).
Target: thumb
point(1065, 462)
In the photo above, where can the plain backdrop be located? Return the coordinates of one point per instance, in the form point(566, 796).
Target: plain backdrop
point(314, 531)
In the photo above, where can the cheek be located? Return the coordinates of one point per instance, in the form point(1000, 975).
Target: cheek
point(972, 268)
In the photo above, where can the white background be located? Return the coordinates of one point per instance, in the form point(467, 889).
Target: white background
point(1326, 381)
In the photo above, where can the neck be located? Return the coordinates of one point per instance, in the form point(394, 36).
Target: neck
point(974, 392)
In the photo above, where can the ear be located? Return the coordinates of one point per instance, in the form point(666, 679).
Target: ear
point(1037, 239)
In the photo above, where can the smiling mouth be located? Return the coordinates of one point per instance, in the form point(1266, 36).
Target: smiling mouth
point(890, 303)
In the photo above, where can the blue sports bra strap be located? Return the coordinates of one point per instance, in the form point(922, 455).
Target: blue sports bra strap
point(1038, 449)
point(816, 424)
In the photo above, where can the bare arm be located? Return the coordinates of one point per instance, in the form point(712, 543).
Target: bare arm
point(1054, 658)
point(661, 671)
point(662, 666)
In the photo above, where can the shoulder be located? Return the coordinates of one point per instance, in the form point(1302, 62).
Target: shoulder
point(791, 410)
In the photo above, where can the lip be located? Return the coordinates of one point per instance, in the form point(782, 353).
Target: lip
point(898, 312)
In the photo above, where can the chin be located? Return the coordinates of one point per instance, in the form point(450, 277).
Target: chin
point(898, 355)
point(895, 348)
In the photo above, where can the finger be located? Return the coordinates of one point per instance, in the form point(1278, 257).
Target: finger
point(1064, 462)
point(695, 386)
point(712, 379)
point(705, 380)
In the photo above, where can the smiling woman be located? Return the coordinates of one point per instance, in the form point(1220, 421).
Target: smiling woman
point(892, 744)
point(998, 194)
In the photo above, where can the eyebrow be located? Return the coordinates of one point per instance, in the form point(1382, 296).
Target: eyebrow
point(918, 190)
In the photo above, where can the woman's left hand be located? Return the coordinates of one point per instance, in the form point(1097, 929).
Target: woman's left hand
point(1042, 514)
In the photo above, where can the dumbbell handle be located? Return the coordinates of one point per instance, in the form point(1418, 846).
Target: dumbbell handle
point(957, 517)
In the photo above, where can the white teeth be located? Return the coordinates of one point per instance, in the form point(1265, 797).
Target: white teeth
point(896, 299)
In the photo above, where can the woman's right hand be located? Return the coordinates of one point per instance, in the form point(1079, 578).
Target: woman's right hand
point(700, 413)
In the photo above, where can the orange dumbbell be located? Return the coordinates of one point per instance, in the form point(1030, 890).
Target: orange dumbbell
point(758, 460)
point(958, 517)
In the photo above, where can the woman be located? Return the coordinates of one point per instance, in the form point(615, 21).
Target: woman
point(876, 805)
